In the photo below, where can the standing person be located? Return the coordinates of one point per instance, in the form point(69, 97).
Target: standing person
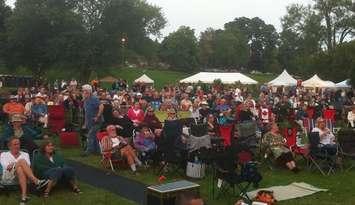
point(93, 119)
point(16, 166)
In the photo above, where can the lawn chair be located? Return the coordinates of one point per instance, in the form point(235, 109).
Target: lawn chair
point(346, 142)
point(225, 132)
point(329, 116)
point(107, 160)
point(56, 118)
point(318, 157)
point(290, 135)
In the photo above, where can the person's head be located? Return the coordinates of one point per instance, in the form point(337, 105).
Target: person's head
point(172, 113)
point(14, 145)
point(12, 98)
point(111, 131)
point(47, 147)
point(274, 127)
point(210, 118)
point(150, 111)
point(17, 120)
point(321, 123)
point(87, 91)
point(145, 130)
point(189, 198)
point(136, 106)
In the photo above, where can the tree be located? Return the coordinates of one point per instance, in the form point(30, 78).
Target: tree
point(231, 49)
point(41, 33)
point(339, 18)
point(262, 39)
point(179, 49)
point(206, 48)
point(5, 13)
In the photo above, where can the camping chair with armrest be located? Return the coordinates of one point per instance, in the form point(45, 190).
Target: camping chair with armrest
point(346, 142)
point(145, 156)
point(290, 135)
point(107, 160)
point(329, 116)
point(318, 157)
point(225, 132)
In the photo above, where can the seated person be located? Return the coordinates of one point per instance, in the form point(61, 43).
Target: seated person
point(16, 168)
point(18, 129)
point(121, 120)
point(50, 165)
point(119, 147)
point(275, 142)
point(212, 127)
point(39, 111)
point(136, 114)
point(144, 141)
point(351, 117)
point(327, 138)
point(152, 121)
point(13, 107)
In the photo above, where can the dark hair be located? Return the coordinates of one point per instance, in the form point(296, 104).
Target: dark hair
point(43, 146)
point(185, 198)
point(12, 139)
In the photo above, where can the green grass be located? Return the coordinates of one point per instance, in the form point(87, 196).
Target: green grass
point(62, 196)
point(340, 185)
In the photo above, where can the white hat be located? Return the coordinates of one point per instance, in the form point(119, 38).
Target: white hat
point(139, 94)
point(87, 87)
point(115, 97)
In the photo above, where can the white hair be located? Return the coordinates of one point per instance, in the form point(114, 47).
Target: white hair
point(87, 87)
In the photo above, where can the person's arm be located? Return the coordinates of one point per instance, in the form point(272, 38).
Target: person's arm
point(99, 113)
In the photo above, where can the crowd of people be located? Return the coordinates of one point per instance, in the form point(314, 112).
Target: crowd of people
point(135, 129)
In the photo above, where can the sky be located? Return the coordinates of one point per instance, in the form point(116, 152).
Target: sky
point(202, 14)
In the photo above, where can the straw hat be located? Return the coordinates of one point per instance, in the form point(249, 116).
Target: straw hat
point(17, 118)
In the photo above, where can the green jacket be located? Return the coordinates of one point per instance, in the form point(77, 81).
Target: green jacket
point(41, 163)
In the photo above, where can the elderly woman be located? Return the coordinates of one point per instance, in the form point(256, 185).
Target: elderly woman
point(119, 147)
point(327, 138)
point(50, 165)
point(275, 142)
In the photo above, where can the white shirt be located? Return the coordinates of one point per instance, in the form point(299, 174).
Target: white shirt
point(6, 158)
point(115, 142)
point(326, 138)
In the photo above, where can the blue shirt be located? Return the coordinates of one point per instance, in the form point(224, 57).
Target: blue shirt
point(91, 107)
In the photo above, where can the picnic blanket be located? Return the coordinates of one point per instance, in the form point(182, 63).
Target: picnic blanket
point(291, 191)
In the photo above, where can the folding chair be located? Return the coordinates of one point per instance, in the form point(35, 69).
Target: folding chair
point(107, 160)
point(225, 132)
point(320, 158)
point(329, 116)
point(290, 135)
point(346, 142)
point(56, 118)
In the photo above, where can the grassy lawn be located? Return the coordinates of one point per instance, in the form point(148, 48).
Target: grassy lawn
point(61, 196)
point(340, 185)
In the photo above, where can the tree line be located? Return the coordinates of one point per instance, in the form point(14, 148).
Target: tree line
point(93, 34)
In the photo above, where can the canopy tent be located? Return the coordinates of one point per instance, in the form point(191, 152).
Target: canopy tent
point(226, 78)
point(284, 79)
point(144, 79)
point(108, 79)
point(316, 82)
point(343, 84)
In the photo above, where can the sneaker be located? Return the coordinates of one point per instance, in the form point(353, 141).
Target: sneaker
point(41, 183)
point(23, 201)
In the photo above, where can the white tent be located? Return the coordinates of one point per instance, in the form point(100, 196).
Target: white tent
point(144, 79)
point(316, 82)
point(343, 84)
point(226, 78)
point(284, 79)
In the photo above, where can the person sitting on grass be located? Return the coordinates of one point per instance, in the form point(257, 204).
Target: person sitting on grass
point(275, 142)
point(50, 165)
point(16, 169)
point(119, 147)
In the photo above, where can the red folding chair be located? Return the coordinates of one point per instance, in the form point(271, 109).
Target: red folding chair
point(107, 160)
point(69, 139)
point(329, 116)
point(290, 135)
point(225, 132)
point(56, 118)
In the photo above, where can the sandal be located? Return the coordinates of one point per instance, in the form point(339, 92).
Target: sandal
point(77, 191)
point(46, 194)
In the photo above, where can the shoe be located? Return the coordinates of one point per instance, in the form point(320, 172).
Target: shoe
point(41, 183)
point(23, 201)
point(77, 191)
point(296, 170)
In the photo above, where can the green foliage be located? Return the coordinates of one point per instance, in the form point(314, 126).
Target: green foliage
point(179, 49)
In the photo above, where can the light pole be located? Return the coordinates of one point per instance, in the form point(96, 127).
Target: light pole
point(123, 42)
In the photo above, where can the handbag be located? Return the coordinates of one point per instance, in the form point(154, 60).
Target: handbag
point(195, 170)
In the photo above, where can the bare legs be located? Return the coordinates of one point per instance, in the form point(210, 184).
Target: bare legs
point(24, 172)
